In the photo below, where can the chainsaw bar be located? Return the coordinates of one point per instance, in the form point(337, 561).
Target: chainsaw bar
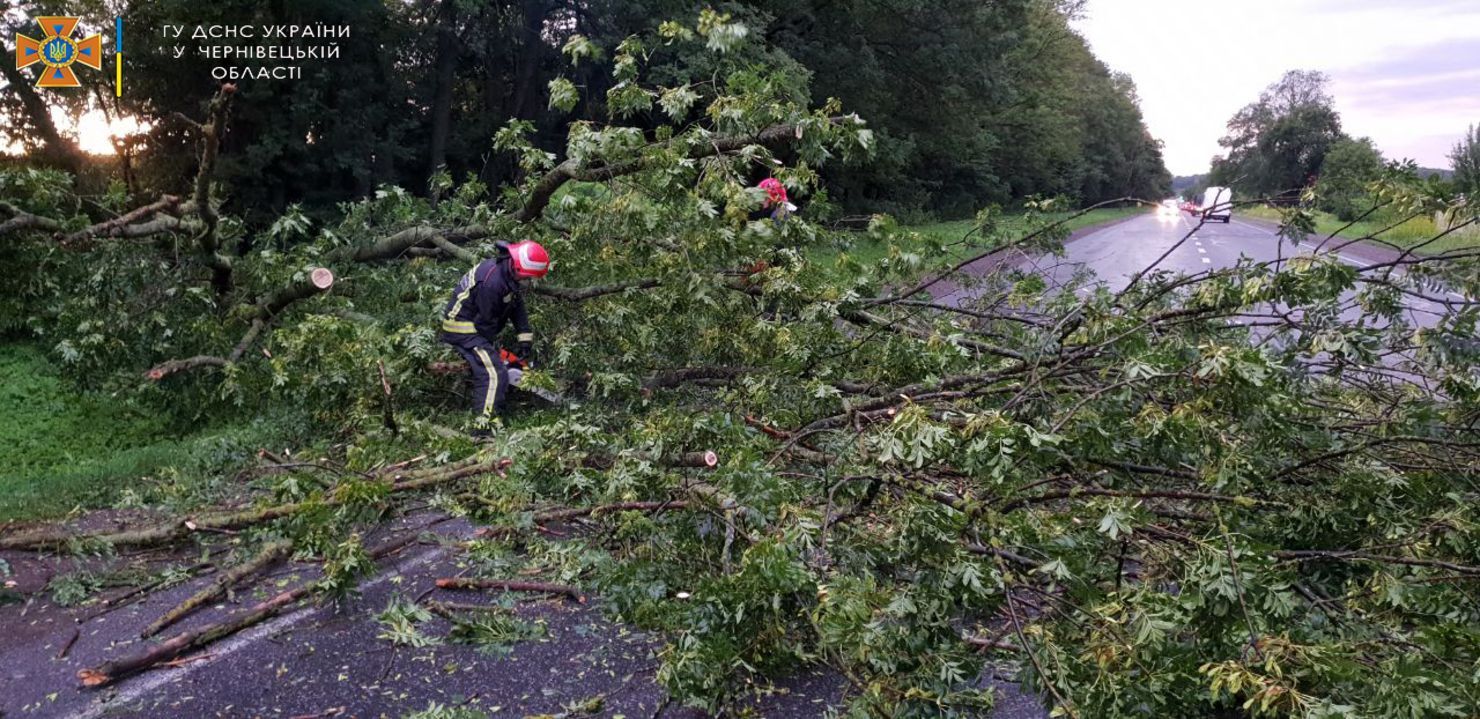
point(516, 374)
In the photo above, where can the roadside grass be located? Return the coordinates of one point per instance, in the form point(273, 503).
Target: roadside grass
point(953, 235)
point(1405, 235)
point(60, 449)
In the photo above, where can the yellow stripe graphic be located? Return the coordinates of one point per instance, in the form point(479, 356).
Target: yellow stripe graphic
point(471, 278)
point(488, 399)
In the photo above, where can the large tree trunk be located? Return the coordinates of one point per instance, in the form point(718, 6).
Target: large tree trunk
point(498, 167)
point(447, 52)
point(531, 57)
point(60, 150)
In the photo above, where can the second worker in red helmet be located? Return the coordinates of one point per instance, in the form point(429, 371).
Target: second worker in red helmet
point(486, 299)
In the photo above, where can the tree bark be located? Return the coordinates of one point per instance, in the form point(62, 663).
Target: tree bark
point(673, 378)
point(134, 217)
point(21, 220)
point(163, 533)
point(263, 559)
point(210, 147)
point(110, 672)
point(59, 149)
point(446, 75)
point(510, 586)
point(531, 56)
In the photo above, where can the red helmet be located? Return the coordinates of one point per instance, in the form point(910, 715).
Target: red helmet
point(775, 191)
point(530, 259)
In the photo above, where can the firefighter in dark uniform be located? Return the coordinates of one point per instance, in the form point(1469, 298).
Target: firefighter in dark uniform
point(484, 300)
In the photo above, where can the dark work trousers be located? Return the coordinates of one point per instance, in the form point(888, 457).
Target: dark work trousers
point(490, 375)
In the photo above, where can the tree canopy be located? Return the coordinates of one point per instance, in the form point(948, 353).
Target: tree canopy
point(1278, 144)
point(972, 103)
point(1350, 165)
point(1465, 161)
point(1248, 491)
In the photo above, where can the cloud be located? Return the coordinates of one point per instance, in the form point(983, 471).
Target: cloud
point(1457, 55)
point(1416, 102)
point(1402, 73)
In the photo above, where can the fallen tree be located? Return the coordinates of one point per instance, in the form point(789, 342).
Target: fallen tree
point(1188, 494)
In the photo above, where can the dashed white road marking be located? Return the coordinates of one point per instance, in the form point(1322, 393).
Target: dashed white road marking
point(1202, 251)
point(1207, 261)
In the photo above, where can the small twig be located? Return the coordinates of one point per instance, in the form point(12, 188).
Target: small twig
point(1238, 589)
point(67, 646)
point(182, 661)
point(1017, 628)
point(442, 609)
point(511, 586)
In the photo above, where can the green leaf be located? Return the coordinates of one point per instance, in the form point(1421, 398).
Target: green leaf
point(563, 95)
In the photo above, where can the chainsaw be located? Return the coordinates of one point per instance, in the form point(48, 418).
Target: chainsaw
point(516, 369)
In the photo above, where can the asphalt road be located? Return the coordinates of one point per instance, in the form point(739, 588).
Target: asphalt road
point(327, 661)
point(1116, 253)
point(330, 661)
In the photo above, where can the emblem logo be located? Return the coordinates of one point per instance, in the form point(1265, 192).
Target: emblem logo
point(58, 52)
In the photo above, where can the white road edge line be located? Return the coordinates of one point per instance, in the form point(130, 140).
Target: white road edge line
point(157, 678)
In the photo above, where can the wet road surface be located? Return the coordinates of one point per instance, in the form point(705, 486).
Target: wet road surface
point(1116, 253)
point(327, 661)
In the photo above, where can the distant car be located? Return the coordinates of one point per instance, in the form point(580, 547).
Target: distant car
point(1217, 204)
point(1190, 207)
point(1167, 208)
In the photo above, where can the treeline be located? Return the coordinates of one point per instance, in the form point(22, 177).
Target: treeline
point(1289, 146)
point(972, 103)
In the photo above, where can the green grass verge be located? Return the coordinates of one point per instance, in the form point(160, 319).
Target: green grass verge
point(1408, 234)
point(951, 233)
point(60, 450)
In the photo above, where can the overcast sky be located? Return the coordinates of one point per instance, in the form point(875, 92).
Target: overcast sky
point(1404, 72)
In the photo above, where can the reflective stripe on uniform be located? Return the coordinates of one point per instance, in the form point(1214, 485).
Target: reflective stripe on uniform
point(472, 280)
point(489, 398)
point(459, 327)
point(525, 337)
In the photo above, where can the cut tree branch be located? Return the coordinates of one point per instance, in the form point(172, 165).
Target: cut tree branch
point(21, 220)
point(109, 672)
point(116, 226)
point(511, 586)
point(179, 529)
point(262, 560)
point(674, 378)
point(539, 197)
point(578, 294)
